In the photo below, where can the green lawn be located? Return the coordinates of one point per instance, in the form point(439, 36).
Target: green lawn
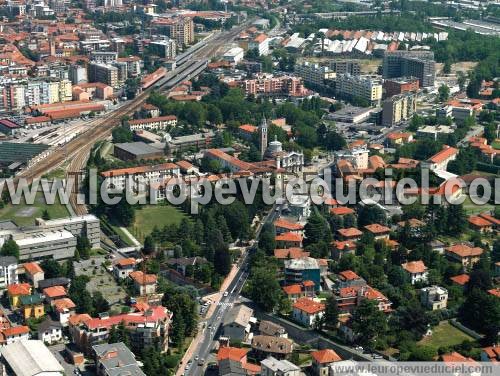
point(496, 145)
point(24, 215)
point(150, 216)
point(472, 208)
point(445, 334)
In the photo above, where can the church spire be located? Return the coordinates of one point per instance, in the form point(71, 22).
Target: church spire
point(263, 136)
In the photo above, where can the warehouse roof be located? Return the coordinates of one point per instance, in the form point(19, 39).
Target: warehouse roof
point(19, 152)
point(30, 357)
point(137, 148)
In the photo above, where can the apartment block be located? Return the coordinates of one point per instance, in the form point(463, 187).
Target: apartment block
point(107, 74)
point(314, 73)
point(401, 85)
point(165, 48)
point(180, 29)
point(398, 108)
point(351, 67)
point(364, 87)
point(418, 64)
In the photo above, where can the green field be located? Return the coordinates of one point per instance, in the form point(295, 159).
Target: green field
point(24, 215)
point(472, 208)
point(496, 145)
point(150, 216)
point(445, 335)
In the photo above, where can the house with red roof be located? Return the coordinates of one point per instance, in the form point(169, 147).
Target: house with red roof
point(14, 334)
point(53, 293)
point(289, 240)
point(340, 248)
point(145, 325)
point(300, 290)
point(123, 267)
point(378, 231)
point(15, 291)
point(495, 292)
point(341, 210)
point(34, 273)
point(247, 131)
point(231, 358)
point(282, 225)
point(290, 253)
point(440, 160)
point(307, 311)
point(144, 284)
point(64, 308)
point(322, 359)
point(348, 298)
point(416, 270)
point(350, 233)
point(464, 254)
point(348, 278)
point(480, 224)
point(461, 279)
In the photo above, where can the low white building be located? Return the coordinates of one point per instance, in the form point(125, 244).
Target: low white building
point(234, 55)
point(8, 267)
point(156, 123)
point(274, 367)
point(50, 332)
point(307, 311)
point(434, 297)
point(416, 270)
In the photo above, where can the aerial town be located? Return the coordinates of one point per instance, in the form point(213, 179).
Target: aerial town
point(249, 187)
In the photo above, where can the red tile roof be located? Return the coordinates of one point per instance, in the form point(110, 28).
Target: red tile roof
point(308, 306)
point(248, 128)
point(348, 275)
point(341, 210)
point(325, 356)
point(142, 278)
point(490, 218)
point(495, 292)
point(290, 226)
point(62, 304)
point(290, 253)
point(19, 289)
point(479, 221)
point(492, 352)
point(54, 291)
point(461, 279)
point(140, 169)
point(289, 237)
point(292, 289)
point(342, 245)
point(444, 154)
point(16, 331)
point(126, 262)
point(349, 232)
point(32, 268)
point(376, 228)
point(232, 353)
point(463, 250)
point(414, 267)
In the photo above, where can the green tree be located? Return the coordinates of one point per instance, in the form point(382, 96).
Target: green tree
point(99, 303)
point(267, 239)
point(149, 245)
point(331, 312)
point(122, 134)
point(368, 323)
point(45, 215)
point(444, 93)
point(264, 289)
point(317, 229)
point(83, 247)
point(10, 248)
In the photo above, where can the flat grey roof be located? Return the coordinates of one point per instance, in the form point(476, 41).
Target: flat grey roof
point(137, 148)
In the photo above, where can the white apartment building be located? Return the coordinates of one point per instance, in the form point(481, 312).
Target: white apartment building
point(117, 179)
point(274, 367)
point(314, 73)
point(156, 123)
point(85, 225)
point(364, 87)
point(260, 43)
point(8, 267)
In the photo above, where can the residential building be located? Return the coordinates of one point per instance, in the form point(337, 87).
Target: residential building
point(236, 324)
point(352, 67)
point(49, 331)
point(341, 248)
point(491, 354)
point(419, 64)
point(145, 326)
point(233, 360)
point(274, 367)
point(144, 284)
point(307, 311)
point(77, 74)
point(30, 358)
point(289, 239)
point(378, 231)
point(300, 290)
point(180, 29)
point(277, 347)
point(399, 138)
point(400, 85)
point(440, 160)
point(64, 308)
point(234, 55)
point(260, 43)
point(434, 297)
point(34, 273)
point(157, 123)
point(115, 359)
point(165, 48)
point(359, 87)
point(32, 306)
point(16, 291)
point(104, 57)
point(348, 298)
point(300, 270)
point(464, 254)
point(123, 267)
point(105, 73)
point(416, 270)
point(322, 359)
point(398, 109)
point(314, 73)
point(14, 334)
point(348, 278)
point(8, 267)
point(434, 131)
point(140, 175)
point(269, 328)
point(53, 293)
point(351, 233)
point(267, 84)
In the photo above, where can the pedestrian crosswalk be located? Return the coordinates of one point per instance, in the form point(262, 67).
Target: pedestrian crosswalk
point(225, 304)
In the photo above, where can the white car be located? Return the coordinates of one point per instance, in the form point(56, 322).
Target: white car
point(226, 293)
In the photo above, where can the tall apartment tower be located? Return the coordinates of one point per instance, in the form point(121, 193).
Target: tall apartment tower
point(263, 136)
point(418, 64)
